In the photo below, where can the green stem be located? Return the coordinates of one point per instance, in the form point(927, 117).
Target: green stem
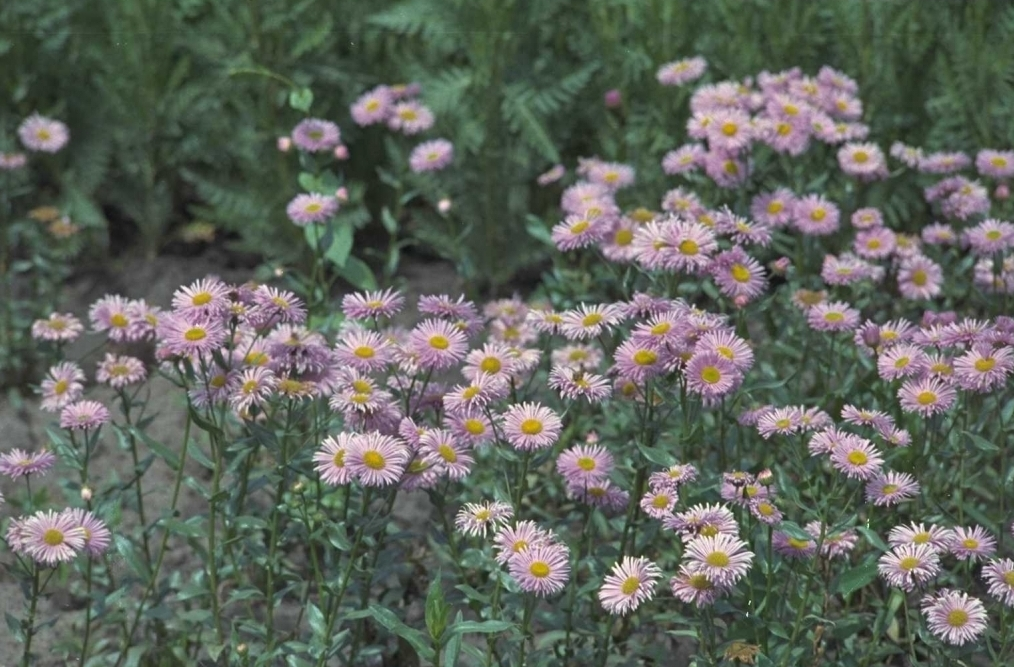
point(572, 584)
point(29, 626)
point(526, 623)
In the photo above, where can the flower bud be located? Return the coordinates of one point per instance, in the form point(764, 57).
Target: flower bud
point(342, 195)
point(765, 477)
point(1002, 191)
point(341, 152)
point(613, 98)
point(86, 493)
point(444, 205)
point(284, 144)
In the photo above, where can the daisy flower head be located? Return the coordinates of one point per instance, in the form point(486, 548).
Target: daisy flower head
point(989, 236)
point(919, 277)
point(365, 351)
point(972, 544)
point(781, 421)
point(376, 459)
point(119, 371)
point(658, 503)
point(410, 117)
point(681, 72)
point(274, 305)
point(998, 575)
point(58, 328)
point(96, 535)
point(773, 208)
point(475, 395)
point(253, 387)
point(806, 300)
point(726, 170)
point(857, 458)
point(600, 494)
point(703, 521)
point(584, 465)
point(589, 321)
point(935, 537)
point(943, 162)
point(433, 155)
point(509, 541)
point(723, 558)
point(833, 316)
point(541, 570)
point(12, 161)
point(38, 133)
point(471, 426)
point(954, 617)
point(51, 538)
point(364, 305)
point(84, 416)
point(711, 375)
point(440, 448)
point(683, 160)
point(61, 386)
point(111, 314)
point(729, 131)
point(555, 173)
point(765, 511)
point(630, 583)
point(309, 209)
point(205, 299)
point(673, 477)
point(793, 548)
point(910, 156)
point(638, 361)
point(864, 161)
point(891, 488)
point(926, 396)
point(909, 565)
point(611, 175)
point(901, 361)
point(315, 135)
point(877, 243)
point(983, 368)
point(476, 518)
point(19, 463)
point(693, 586)
point(372, 107)
point(438, 343)
point(738, 275)
point(995, 164)
point(834, 545)
point(575, 383)
point(531, 426)
point(814, 215)
point(578, 232)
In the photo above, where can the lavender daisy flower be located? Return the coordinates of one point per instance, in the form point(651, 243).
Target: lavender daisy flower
point(372, 107)
point(110, 313)
point(62, 386)
point(439, 447)
point(781, 421)
point(765, 511)
point(589, 321)
point(58, 327)
point(410, 118)
point(972, 544)
point(365, 351)
point(864, 161)
point(673, 477)
point(630, 584)
point(476, 518)
point(793, 548)
point(724, 559)
point(315, 135)
point(530, 426)
point(954, 617)
point(683, 160)
point(119, 371)
point(891, 488)
point(926, 396)
point(984, 368)
point(703, 521)
point(313, 208)
point(573, 384)
point(274, 306)
point(995, 164)
point(658, 503)
point(551, 176)
point(46, 135)
point(253, 387)
point(599, 494)
point(431, 156)
point(96, 535)
point(835, 545)
point(919, 278)
point(438, 344)
point(509, 541)
point(909, 565)
point(188, 337)
point(638, 362)
point(857, 458)
point(814, 215)
point(84, 416)
point(19, 463)
point(681, 72)
point(541, 570)
point(833, 316)
point(584, 464)
point(738, 275)
point(712, 375)
point(773, 208)
point(12, 161)
point(999, 577)
point(51, 538)
point(693, 586)
point(376, 459)
point(493, 360)
point(937, 538)
point(364, 305)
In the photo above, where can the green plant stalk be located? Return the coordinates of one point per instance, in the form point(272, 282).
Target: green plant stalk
point(798, 624)
point(138, 490)
point(29, 626)
point(526, 622)
point(177, 485)
point(364, 596)
point(522, 480)
point(572, 585)
point(273, 538)
point(216, 487)
point(88, 613)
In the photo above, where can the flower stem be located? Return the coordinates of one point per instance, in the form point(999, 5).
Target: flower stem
point(29, 626)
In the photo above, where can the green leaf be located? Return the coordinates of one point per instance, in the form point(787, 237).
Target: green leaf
point(315, 617)
point(852, 580)
point(126, 549)
point(14, 625)
point(182, 528)
point(390, 224)
point(356, 272)
point(160, 450)
point(341, 246)
point(482, 627)
point(301, 99)
point(437, 610)
point(393, 624)
point(981, 443)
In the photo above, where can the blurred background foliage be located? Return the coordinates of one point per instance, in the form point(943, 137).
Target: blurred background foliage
point(174, 119)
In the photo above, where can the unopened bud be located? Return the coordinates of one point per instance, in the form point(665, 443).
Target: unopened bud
point(1002, 191)
point(444, 205)
point(613, 98)
point(591, 438)
point(765, 477)
point(298, 487)
point(284, 144)
point(279, 271)
point(342, 195)
point(86, 493)
point(341, 152)
point(242, 649)
point(781, 266)
point(741, 300)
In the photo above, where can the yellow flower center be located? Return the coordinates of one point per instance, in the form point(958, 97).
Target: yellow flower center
point(470, 392)
point(740, 273)
point(775, 207)
point(711, 374)
point(194, 334)
point(218, 381)
point(645, 357)
point(1008, 578)
point(998, 161)
point(519, 546)
point(249, 386)
point(908, 563)
point(339, 458)
point(730, 129)
point(993, 235)
point(783, 129)
point(689, 247)
point(873, 244)
point(313, 207)
point(439, 342)
point(586, 463)
point(490, 365)
point(919, 277)
point(374, 460)
point(201, 298)
point(280, 302)
point(373, 105)
point(408, 114)
point(591, 319)
point(765, 509)
point(818, 214)
point(53, 537)
point(660, 502)
point(834, 316)
point(970, 543)
point(447, 453)
point(362, 387)
point(858, 458)
point(798, 544)
point(118, 320)
point(474, 426)
point(661, 328)
point(364, 352)
point(730, 167)
point(483, 515)
point(717, 559)
point(539, 569)
point(577, 355)
point(861, 156)
point(921, 538)
point(579, 227)
point(709, 531)
point(926, 398)
point(699, 582)
point(985, 364)
point(901, 362)
point(256, 358)
point(790, 109)
point(630, 584)
point(531, 427)
point(623, 237)
point(60, 387)
point(890, 489)
point(957, 618)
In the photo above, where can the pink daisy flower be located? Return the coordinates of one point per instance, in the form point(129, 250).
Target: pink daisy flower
point(712, 375)
point(308, 209)
point(999, 577)
point(723, 558)
point(439, 447)
point(62, 386)
point(900, 361)
point(12, 161)
point(919, 278)
point(364, 305)
point(541, 570)
point(693, 586)
point(658, 503)
point(765, 511)
point(438, 344)
point(834, 545)
point(937, 538)
point(782, 421)
point(110, 314)
point(774, 208)
point(274, 305)
point(84, 416)
point(476, 518)
point(703, 521)
point(410, 118)
point(833, 316)
point(909, 565)
point(954, 617)
point(530, 426)
point(573, 384)
point(120, 371)
point(927, 396)
point(433, 155)
point(584, 465)
point(973, 544)
point(553, 175)
point(995, 164)
point(509, 541)
point(188, 337)
point(253, 387)
point(877, 243)
point(51, 538)
point(983, 368)
point(815, 216)
point(589, 321)
point(42, 134)
point(681, 72)
point(793, 548)
point(58, 328)
point(19, 463)
point(738, 275)
point(857, 458)
point(315, 135)
point(864, 161)
point(376, 460)
point(96, 535)
point(372, 107)
point(944, 162)
point(629, 584)
point(891, 488)
point(577, 232)
point(365, 351)
point(639, 362)
point(683, 160)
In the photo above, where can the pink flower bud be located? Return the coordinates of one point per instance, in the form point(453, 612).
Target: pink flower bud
point(1002, 191)
point(341, 152)
point(342, 194)
point(613, 98)
point(741, 300)
point(284, 144)
point(86, 493)
point(444, 205)
point(781, 266)
point(591, 438)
